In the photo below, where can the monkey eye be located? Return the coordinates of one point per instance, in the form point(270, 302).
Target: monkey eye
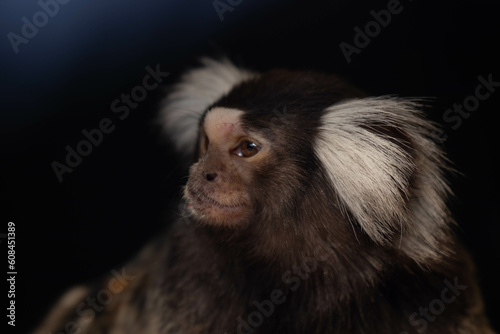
point(246, 149)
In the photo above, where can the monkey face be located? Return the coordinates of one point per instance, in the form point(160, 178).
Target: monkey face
point(218, 190)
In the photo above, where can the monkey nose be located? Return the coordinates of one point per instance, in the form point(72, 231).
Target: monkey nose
point(210, 176)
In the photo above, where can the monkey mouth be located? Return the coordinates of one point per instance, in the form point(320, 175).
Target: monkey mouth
point(201, 202)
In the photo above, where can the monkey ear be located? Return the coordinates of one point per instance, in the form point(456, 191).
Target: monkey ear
point(387, 170)
point(189, 99)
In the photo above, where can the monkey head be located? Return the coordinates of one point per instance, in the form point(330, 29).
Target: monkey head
point(303, 154)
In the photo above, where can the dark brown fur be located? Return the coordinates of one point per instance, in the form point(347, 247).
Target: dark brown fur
point(299, 240)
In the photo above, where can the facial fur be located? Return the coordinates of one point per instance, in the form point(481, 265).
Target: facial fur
point(218, 184)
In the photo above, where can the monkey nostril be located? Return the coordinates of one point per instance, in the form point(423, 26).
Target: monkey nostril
point(211, 176)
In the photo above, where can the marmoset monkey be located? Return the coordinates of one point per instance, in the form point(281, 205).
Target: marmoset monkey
point(310, 208)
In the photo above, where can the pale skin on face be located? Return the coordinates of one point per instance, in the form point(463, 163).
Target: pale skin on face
point(222, 199)
point(222, 126)
point(223, 129)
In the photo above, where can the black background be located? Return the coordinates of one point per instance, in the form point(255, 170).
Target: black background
point(65, 78)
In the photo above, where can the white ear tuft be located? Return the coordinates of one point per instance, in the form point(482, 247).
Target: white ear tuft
point(385, 182)
point(196, 91)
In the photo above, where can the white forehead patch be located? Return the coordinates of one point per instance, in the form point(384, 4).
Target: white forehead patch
point(196, 91)
point(220, 124)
